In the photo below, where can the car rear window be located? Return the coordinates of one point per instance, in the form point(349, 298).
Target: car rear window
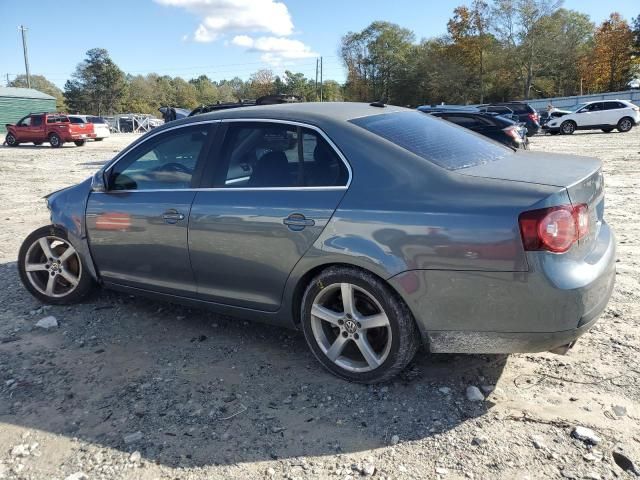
point(447, 145)
point(97, 120)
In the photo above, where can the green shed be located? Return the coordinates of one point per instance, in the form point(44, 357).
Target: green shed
point(15, 103)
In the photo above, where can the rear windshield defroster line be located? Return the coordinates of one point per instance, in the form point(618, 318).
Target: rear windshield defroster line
point(447, 145)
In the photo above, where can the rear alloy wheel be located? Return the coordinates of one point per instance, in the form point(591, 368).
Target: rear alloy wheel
point(568, 127)
point(51, 268)
point(80, 143)
point(625, 124)
point(55, 140)
point(357, 327)
point(607, 130)
point(11, 140)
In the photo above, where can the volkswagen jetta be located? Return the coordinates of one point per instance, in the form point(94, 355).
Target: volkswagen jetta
point(374, 229)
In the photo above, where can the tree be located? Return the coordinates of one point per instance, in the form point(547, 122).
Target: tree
point(469, 29)
point(377, 59)
point(206, 90)
point(519, 24)
point(609, 66)
point(97, 86)
point(261, 83)
point(40, 83)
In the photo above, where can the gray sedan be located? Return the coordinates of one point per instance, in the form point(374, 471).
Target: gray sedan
point(373, 229)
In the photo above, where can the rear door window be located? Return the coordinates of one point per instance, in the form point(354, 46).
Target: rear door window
point(36, 120)
point(441, 143)
point(273, 155)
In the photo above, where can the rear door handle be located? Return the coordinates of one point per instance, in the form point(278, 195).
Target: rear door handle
point(172, 216)
point(297, 221)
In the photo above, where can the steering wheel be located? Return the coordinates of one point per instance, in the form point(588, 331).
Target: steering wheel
point(173, 167)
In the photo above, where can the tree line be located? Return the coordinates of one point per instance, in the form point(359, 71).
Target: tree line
point(493, 51)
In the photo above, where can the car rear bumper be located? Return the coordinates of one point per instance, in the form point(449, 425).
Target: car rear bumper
point(81, 136)
point(507, 312)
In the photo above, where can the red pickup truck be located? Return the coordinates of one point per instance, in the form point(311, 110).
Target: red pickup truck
point(55, 128)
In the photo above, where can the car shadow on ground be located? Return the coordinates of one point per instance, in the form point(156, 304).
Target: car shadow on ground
point(186, 387)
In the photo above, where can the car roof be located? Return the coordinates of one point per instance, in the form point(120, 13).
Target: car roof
point(313, 113)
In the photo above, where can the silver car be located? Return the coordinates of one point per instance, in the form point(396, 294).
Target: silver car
point(374, 229)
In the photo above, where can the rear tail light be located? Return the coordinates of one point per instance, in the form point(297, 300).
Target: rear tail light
point(554, 229)
point(513, 133)
point(534, 117)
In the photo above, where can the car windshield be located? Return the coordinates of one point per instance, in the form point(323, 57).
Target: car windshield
point(447, 145)
point(97, 120)
point(576, 108)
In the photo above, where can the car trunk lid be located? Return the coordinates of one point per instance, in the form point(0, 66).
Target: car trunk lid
point(580, 176)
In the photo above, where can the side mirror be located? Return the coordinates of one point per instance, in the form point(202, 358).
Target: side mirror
point(98, 183)
point(582, 110)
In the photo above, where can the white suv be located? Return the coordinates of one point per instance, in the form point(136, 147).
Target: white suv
point(605, 115)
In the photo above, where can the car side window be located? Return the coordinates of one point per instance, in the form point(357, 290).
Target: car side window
point(36, 120)
point(25, 122)
point(268, 155)
point(164, 162)
point(595, 107)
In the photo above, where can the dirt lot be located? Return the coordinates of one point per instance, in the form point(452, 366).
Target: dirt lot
point(126, 388)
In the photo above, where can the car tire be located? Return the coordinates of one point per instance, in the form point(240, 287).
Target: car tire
point(625, 124)
point(567, 127)
point(55, 141)
point(50, 271)
point(607, 130)
point(80, 143)
point(337, 333)
point(11, 140)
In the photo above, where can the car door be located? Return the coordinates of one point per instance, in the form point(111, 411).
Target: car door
point(273, 188)
point(612, 112)
point(591, 115)
point(137, 228)
point(36, 129)
point(22, 129)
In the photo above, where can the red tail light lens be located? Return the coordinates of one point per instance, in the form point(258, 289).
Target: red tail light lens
point(534, 117)
point(512, 132)
point(554, 229)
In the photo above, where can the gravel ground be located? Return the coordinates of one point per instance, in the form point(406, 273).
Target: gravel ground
point(127, 388)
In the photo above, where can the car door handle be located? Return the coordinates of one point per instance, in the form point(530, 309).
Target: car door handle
point(297, 221)
point(172, 216)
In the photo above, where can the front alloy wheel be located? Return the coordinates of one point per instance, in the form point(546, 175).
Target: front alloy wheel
point(357, 327)
point(51, 268)
point(567, 128)
point(11, 140)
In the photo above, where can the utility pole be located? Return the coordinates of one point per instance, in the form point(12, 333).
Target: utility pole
point(26, 56)
point(321, 82)
point(316, 79)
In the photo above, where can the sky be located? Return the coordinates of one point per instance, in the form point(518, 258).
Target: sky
point(219, 38)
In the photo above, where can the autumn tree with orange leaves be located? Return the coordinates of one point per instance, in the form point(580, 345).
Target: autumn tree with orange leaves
point(608, 66)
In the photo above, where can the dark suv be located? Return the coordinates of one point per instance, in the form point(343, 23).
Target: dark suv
point(525, 113)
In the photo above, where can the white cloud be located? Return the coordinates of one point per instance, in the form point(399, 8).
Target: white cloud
point(228, 16)
point(242, 41)
point(275, 50)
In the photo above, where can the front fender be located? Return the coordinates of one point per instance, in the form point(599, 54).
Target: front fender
point(67, 211)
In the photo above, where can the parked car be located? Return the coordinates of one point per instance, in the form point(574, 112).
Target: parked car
point(55, 128)
point(493, 126)
point(374, 229)
point(524, 112)
point(546, 116)
point(100, 127)
point(83, 123)
point(619, 114)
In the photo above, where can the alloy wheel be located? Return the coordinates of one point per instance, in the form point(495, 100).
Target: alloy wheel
point(53, 266)
point(350, 327)
point(625, 125)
